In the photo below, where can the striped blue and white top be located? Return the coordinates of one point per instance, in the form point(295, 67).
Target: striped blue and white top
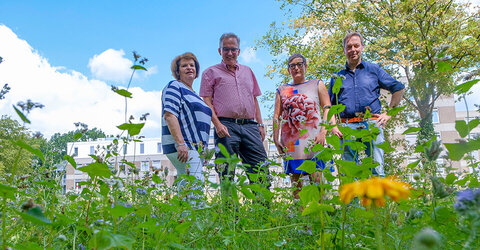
point(194, 117)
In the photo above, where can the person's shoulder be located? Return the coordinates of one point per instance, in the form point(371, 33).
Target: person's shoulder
point(371, 65)
point(214, 67)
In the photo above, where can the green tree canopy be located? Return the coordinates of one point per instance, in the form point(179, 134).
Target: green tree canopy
point(57, 145)
point(10, 132)
point(427, 43)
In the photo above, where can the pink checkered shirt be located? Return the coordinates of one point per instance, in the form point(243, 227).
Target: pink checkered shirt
point(232, 92)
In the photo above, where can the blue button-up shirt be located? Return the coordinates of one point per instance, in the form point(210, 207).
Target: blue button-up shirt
point(362, 88)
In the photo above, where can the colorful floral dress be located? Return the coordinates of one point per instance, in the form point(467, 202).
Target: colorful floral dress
point(300, 122)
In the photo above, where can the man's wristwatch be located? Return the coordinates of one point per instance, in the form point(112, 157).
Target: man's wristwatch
point(261, 125)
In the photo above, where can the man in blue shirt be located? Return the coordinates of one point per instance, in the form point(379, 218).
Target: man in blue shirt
point(361, 89)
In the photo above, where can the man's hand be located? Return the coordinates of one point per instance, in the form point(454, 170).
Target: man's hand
point(262, 133)
point(182, 153)
point(337, 132)
point(222, 130)
point(383, 119)
point(320, 137)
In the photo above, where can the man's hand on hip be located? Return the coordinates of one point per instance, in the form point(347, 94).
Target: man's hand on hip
point(222, 130)
point(383, 119)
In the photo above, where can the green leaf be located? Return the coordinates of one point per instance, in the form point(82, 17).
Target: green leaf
point(308, 166)
point(120, 211)
point(22, 116)
point(28, 246)
point(70, 160)
point(8, 191)
point(96, 169)
point(303, 131)
point(335, 109)
point(314, 207)
point(411, 130)
point(77, 136)
point(395, 111)
point(413, 164)
point(386, 147)
point(246, 191)
point(123, 92)
point(36, 216)
point(184, 226)
point(138, 67)
point(350, 168)
point(465, 87)
point(450, 178)
point(334, 141)
point(456, 151)
point(107, 240)
point(337, 85)
point(30, 149)
point(462, 182)
point(133, 128)
point(463, 128)
point(444, 67)
point(224, 151)
point(156, 179)
point(309, 193)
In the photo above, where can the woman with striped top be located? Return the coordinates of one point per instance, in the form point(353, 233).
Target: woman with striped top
point(186, 119)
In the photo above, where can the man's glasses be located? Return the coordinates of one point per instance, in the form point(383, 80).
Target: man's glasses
point(293, 65)
point(226, 50)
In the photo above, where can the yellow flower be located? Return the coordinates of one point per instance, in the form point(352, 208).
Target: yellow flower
point(374, 189)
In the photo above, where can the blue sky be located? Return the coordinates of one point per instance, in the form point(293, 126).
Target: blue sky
point(68, 33)
point(69, 40)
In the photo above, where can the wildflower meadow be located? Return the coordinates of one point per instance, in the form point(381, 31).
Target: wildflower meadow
point(414, 207)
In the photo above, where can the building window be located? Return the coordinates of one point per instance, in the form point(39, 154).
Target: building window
point(159, 147)
point(144, 167)
point(435, 118)
point(157, 164)
point(78, 187)
point(92, 150)
point(75, 151)
point(142, 148)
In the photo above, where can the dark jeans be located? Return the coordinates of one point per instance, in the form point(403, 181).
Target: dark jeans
point(245, 140)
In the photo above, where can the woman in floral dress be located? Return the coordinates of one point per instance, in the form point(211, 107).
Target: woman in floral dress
point(297, 115)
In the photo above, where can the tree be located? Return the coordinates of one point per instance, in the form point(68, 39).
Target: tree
point(10, 154)
point(428, 42)
point(57, 145)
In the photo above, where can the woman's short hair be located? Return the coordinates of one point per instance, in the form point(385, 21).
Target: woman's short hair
point(297, 55)
point(176, 64)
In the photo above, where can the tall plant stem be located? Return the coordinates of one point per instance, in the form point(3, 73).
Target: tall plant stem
point(378, 230)
point(128, 86)
point(4, 224)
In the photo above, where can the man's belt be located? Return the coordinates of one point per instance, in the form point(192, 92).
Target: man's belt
point(357, 119)
point(238, 121)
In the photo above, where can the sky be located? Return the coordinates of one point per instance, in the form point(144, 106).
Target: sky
point(66, 55)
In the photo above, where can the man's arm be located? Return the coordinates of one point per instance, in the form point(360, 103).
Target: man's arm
point(222, 131)
point(258, 117)
point(395, 100)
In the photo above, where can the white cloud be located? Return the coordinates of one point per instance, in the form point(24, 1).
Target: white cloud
point(112, 65)
point(249, 54)
point(68, 95)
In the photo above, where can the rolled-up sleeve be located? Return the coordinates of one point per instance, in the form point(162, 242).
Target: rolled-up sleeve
point(387, 82)
point(256, 88)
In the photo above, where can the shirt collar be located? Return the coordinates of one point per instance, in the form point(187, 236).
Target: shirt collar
point(225, 65)
point(361, 65)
